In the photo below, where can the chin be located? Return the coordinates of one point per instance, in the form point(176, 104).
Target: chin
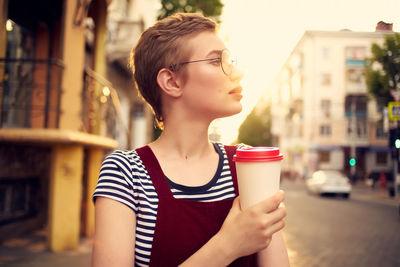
point(232, 111)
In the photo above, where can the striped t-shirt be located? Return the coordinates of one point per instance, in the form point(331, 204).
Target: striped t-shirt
point(124, 178)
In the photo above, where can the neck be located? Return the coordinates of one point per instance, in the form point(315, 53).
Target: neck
point(184, 140)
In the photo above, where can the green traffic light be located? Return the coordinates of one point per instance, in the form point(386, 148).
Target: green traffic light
point(352, 161)
point(397, 143)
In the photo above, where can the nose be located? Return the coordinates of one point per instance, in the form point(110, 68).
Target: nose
point(237, 74)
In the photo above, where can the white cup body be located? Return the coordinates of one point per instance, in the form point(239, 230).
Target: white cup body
point(257, 181)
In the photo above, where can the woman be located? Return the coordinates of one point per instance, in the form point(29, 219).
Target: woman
point(174, 202)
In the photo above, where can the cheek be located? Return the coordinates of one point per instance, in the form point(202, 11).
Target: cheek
point(211, 80)
point(206, 72)
point(206, 82)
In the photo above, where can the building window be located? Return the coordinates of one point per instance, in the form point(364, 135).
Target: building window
point(326, 107)
point(19, 199)
point(380, 134)
point(355, 56)
point(19, 82)
point(325, 79)
point(325, 130)
point(356, 113)
point(355, 79)
point(380, 108)
point(138, 110)
point(325, 53)
point(356, 105)
point(355, 75)
point(381, 158)
point(361, 128)
point(380, 130)
point(324, 156)
point(357, 129)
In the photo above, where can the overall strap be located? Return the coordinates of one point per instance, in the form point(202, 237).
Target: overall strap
point(154, 170)
point(230, 151)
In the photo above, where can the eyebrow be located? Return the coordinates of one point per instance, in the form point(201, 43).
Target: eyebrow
point(216, 51)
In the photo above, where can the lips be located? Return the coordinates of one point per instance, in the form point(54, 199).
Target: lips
point(237, 90)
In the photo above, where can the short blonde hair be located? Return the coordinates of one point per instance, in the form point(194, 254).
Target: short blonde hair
point(161, 46)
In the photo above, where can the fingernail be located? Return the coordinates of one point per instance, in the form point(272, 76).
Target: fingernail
point(281, 195)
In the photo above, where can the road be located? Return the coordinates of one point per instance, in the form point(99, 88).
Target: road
point(328, 231)
point(319, 232)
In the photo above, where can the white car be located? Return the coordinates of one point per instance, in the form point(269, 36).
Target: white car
point(329, 182)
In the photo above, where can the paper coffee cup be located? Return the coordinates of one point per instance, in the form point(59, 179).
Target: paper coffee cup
point(258, 173)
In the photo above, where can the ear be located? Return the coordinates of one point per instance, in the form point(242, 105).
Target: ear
point(167, 81)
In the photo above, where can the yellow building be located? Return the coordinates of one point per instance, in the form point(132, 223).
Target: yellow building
point(57, 115)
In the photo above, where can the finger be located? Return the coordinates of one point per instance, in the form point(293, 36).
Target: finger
point(271, 203)
point(235, 206)
point(276, 227)
point(275, 216)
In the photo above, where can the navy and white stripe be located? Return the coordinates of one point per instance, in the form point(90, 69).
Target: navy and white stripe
point(124, 178)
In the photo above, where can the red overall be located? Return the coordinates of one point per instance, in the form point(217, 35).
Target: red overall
point(184, 226)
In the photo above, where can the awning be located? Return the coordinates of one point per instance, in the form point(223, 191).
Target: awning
point(379, 149)
point(328, 148)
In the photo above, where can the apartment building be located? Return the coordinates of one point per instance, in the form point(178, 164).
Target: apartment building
point(126, 20)
point(321, 114)
point(60, 115)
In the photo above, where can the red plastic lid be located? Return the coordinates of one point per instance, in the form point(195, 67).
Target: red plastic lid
point(257, 154)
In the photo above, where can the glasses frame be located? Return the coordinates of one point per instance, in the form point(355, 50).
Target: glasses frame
point(173, 67)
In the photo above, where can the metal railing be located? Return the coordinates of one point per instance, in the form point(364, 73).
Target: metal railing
point(101, 109)
point(122, 35)
point(30, 92)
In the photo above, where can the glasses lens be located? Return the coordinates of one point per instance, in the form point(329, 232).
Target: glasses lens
point(227, 62)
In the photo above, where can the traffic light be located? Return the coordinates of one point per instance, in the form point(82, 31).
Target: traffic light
point(394, 141)
point(394, 138)
point(352, 162)
point(397, 143)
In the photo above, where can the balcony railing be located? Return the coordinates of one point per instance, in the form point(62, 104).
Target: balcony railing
point(122, 35)
point(30, 91)
point(30, 94)
point(357, 129)
point(101, 109)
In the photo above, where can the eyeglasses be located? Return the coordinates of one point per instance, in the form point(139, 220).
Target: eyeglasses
point(226, 61)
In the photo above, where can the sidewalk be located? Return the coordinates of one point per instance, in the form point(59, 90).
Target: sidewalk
point(363, 193)
point(360, 192)
point(31, 251)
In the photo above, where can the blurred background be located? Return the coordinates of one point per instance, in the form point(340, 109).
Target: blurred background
point(322, 82)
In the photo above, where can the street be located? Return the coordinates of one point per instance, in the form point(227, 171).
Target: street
point(324, 232)
point(328, 231)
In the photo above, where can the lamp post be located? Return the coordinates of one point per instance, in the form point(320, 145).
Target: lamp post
point(352, 161)
point(396, 177)
point(394, 82)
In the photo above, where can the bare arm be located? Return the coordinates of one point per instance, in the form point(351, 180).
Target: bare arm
point(114, 237)
point(275, 254)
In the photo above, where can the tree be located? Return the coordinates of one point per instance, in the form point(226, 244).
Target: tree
point(382, 70)
point(256, 128)
point(209, 8)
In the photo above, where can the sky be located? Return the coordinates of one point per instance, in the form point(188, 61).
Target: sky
point(262, 33)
